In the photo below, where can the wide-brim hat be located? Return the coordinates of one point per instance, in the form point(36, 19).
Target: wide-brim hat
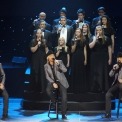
point(50, 52)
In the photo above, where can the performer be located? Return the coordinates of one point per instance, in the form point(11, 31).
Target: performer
point(54, 70)
point(108, 29)
point(62, 53)
point(42, 16)
point(62, 12)
point(101, 58)
point(78, 62)
point(4, 93)
point(81, 19)
point(116, 86)
point(96, 20)
point(38, 48)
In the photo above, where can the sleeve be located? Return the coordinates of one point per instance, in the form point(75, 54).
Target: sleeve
point(47, 75)
point(62, 67)
point(112, 31)
point(120, 74)
point(32, 44)
point(2, 74)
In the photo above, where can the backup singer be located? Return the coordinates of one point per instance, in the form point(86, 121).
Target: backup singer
point(54, 70)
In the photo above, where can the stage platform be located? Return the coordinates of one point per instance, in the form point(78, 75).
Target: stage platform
point(17, 114)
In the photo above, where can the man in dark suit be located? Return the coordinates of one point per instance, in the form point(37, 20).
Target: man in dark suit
point(62, 12)
point(96, 20)
point(47, 35)
point(116, 86)
point(63, 30)
point(81, 19)
point(4, 93)
point(54, 71)
point(36, 22)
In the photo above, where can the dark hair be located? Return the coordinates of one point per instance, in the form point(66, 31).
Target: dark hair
point(63, 17)
point(119, 54)
point(101, 8)
point(63, 9)
point(81, 11)
point(108, 21)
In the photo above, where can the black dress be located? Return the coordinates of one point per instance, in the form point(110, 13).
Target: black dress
point(108, 32)
point(99, 66)
point(63, 56)
point(38, 59)
point(78, 74)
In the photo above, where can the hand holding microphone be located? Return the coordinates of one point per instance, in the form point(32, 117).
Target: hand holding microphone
point(98, 35)
point(39, 42)
point(115, 67)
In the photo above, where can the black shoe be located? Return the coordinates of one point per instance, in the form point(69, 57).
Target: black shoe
point(106, 116)
point(64, 116)
point(4, 117)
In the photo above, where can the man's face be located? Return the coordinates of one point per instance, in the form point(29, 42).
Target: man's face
point(101, 12)
point(80, 16)
point(42, 25)
point(63, 21)
point(119, 59)
point(42, 16)
point(62, 14)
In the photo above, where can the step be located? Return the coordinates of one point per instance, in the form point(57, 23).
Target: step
point(72, 106)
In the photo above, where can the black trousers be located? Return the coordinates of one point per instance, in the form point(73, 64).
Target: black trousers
point(5, 101)
point(63, 93)
point(110, 94)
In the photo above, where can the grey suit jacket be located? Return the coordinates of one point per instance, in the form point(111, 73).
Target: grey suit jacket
point(59, 72)
point(2, 74)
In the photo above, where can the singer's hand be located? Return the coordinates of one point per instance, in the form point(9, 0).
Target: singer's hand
point(115, 67)
point(39, 43)
point(55, 85)
point(1, 86)
point(57, 62)
point(98, 35)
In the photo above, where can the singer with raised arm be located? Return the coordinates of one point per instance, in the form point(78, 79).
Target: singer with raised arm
point(4, 93)
point(54, 70)
point(101, 59)
point(116, 72)
point(38, 48)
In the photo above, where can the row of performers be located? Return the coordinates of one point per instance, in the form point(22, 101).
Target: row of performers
point(87, 58)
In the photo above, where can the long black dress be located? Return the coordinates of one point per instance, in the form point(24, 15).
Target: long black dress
point(99, 66)
point(38, 59)
point(78, 74)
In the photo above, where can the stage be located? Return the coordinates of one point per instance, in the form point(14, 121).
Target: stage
point(16, 114)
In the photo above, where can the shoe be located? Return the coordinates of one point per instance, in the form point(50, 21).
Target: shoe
point(106, 116)
point(64, 116)
point(4, 117)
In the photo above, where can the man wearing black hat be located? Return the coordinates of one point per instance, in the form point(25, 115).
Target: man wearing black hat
point(62, 12)
point(54, 70)
point(116, 85)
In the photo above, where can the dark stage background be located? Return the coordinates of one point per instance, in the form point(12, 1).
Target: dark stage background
point(16, 17)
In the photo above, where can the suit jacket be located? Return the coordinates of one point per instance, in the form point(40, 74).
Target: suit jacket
point(36, 24)
point(2, 74)
point(59, 73)
point(76, 24)
point(56, 22)
point(117, 74)
point(70, 34)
